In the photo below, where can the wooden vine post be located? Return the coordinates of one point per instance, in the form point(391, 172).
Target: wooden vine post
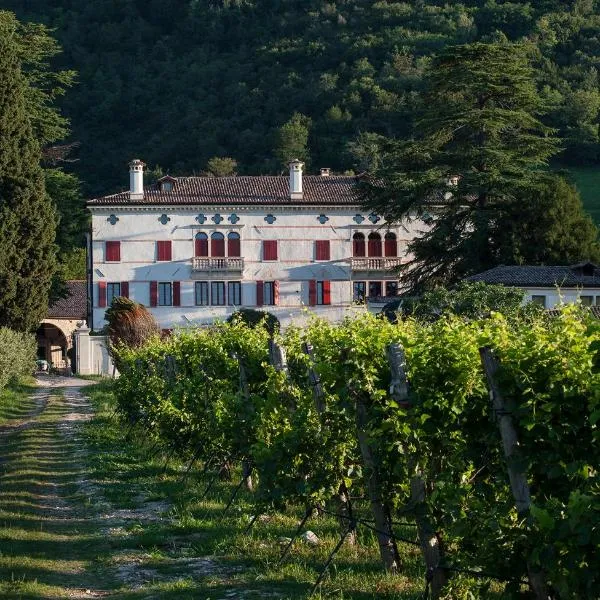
point(387, 546)
point(344, 506)
point(245, 392)
point(428, 538)
point(278, 360)
point(516, 474)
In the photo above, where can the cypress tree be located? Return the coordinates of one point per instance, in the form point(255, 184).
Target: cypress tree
point(27, 217)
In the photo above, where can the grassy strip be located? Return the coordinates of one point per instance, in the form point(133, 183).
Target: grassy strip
point(239, 563)
point(15, 401)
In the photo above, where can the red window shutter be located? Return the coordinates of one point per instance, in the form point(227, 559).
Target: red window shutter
point(391, 247)
point(322, 250)
point(113, 251)
point(276, 293)
point(269, 249)
point(374, 247)
point(164, 250)
point(153, 293)
point(125, 289)
point(102, 294)
point(327, 292)
point(217, 247)
point(259, 293)
point(234, 247)
point(176, 293)
point(358, 248)
point(201, 247)
point(312, 292)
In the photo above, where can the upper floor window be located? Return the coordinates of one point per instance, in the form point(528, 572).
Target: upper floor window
point(113, 252)
point(269, 250)
point(113, 290)
point(322, 250)
point(374, 245)
point(390, 244)
point(201, 244)
point(163, 250)
point(358, 244)
point(233, 244)
point(217, 244)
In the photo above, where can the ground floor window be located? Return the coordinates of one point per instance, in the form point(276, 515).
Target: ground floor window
point(217, 293)
point(375, 289)
point(586, 300)
point(202, 293)
point(359, 291)
point(113, 290)
point(269, 293)
point(234, 293)
point(391, 288)
point(165, 294)
point(539, 299)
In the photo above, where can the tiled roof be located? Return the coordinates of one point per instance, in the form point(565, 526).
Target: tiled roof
point(584, 275)
point(74, 306)
point(263, 189)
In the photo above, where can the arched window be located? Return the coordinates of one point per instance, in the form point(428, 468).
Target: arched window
point(233, 244)
point(358, 244)
point(374, 245)
point(201, 244)
point(217, 244)
point(391, 244)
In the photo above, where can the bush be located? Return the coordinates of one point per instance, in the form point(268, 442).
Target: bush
point(254, 318)
point(17, 355)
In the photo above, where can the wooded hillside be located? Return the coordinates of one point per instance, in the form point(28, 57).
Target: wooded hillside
point(180, 81)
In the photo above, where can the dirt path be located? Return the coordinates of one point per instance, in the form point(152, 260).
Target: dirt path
point(60, 535)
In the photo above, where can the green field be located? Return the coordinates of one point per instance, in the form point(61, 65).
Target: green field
point(587, 180)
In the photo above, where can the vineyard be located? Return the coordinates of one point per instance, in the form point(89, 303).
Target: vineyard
point(480, 435)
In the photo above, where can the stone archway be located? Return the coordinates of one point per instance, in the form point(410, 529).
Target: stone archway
point(54, 340)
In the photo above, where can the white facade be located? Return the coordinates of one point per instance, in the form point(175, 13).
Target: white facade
point(554, 297)
point(327, 287)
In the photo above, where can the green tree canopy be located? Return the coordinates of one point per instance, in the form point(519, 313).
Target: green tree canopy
point(480, 152)
point(292, 140)
point(27, 218)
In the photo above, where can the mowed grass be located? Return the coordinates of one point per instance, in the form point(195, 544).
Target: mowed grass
point(587, 180)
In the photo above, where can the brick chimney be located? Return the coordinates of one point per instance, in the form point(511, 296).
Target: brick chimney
point(296, 192)
point(136, 179)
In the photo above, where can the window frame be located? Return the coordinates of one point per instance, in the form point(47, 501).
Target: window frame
point(539, 299)
point(164, 248)
point(110, 287)
point(161, 286)
point(215, 285)
point(112, 248)
point(270, 248)
point(234, 292)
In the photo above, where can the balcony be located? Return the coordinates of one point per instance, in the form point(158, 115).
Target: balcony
point(221, 264)
point(373, 263)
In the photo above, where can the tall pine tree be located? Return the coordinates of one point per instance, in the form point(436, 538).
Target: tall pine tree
point(479, 155)
point(27, 217)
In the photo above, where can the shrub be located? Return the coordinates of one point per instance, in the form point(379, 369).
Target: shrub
point(17, 355)
point(254, 318)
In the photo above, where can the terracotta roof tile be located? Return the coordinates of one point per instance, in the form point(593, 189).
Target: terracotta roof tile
point(74, 306)
point(264, 189)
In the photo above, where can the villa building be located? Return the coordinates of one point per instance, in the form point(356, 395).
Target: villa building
point(195, 249)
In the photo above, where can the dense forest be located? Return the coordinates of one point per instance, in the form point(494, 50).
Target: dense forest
point(177, 82)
